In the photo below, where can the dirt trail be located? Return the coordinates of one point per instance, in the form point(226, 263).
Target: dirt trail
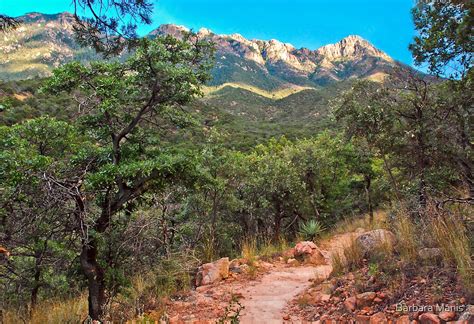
point(265, 299)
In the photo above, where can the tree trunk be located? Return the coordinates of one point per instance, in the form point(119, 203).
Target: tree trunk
point(36, 286)
point(369, 197)
point(392, 178)
point(95, 279)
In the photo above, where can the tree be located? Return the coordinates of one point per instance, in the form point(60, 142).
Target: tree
point(107, 25)
point(40, 166)
point(444, 39)
point(110, 26)
point(123, 107)
point(404, 122)
point(8, 23)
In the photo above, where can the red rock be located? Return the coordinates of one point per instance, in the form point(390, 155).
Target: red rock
point(365, 299)
point(405, 319)
point(362, 319)
point(378, 300)
point(286, 317)
point(350, 304)
point(310, 253)
point(429, 318)
point(325, 297)
point(378, 318)
point(289, 253)
point(447, 316)
point(293, 262)
point(212, 272)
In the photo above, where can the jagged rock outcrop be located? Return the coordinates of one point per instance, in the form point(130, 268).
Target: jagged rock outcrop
point(267, 64)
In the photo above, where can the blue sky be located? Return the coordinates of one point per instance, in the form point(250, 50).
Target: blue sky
point(303, 23)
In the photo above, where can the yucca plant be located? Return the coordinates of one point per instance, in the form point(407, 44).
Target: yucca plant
point(311, 229)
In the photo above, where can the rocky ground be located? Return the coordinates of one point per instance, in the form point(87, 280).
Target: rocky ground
point(363, 297)
point(300, 286)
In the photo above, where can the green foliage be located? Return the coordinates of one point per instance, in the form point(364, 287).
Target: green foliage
point(444, 40)
point(310, 230)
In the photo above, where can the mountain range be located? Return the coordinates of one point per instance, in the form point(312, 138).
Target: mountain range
point(259, 88)
point(44, 41)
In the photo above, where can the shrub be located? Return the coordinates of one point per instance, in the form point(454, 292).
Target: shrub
point(311, 229)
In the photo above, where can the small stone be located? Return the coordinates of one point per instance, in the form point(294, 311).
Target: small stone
point(429, 318)
point(430, 255)
point(286, 317)
point(325, 297)
point(363, 319)
point(468, 315)
point(405, 319)
point(378, 318)
point(293, 262)
point(378, 300)
point(365, 299)
point(447, 316)
point(350, 304)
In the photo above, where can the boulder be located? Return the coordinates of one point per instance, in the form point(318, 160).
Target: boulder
point(429, 318)
point(365, 299)
point(430, 255)
point(309, 253)
point(212, 272)
point(374, 239)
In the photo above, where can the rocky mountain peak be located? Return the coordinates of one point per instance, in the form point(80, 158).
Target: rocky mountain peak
point(351, 47)
point(36, 17)
point(204, 32)
point(48, 41)
point(170, 29)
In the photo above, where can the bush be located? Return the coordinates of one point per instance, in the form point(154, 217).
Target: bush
point(311, 230)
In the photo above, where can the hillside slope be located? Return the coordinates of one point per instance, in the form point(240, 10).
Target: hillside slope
point(43, 42)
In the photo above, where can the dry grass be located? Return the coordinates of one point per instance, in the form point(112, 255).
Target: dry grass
point(73, 310)
point(249, 250)
point(452, 238)
point(407, 236)
point(353, 223)
point(268, 249)
point(276, 94)
point(349, 259)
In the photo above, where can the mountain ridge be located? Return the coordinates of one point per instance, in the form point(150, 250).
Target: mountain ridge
point(45, 41)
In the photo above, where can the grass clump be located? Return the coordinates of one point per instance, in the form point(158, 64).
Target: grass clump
point(347, 260)
point(69, 310)
point(406, 232)
point(451, 236)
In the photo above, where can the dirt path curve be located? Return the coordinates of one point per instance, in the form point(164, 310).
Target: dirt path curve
point(265, 299)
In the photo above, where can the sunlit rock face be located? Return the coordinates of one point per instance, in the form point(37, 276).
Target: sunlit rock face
point(46, 41)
